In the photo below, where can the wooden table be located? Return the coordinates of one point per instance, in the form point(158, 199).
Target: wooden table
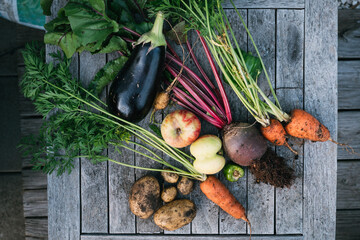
point(298, 40)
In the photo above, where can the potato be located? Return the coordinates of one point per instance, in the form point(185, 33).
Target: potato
point(144, 197)
point(169, 194)
point(175, 214)
point(185, 186)
point(170, 177)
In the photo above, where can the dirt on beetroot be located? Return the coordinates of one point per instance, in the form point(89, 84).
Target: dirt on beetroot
point(272, 169)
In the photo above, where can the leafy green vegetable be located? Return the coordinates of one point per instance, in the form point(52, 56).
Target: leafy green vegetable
point(95, 26)
point(253, 64)
point(107, 74)
point(155, 129)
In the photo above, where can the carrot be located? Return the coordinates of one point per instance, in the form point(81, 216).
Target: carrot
point(304, 125)
point(217, 192)
point(276, 134)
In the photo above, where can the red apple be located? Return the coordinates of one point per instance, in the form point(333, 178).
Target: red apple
point(180, 128)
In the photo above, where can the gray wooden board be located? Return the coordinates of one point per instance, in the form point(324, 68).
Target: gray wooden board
point(349, 84)
point(264, 4)
point(261, 24)
point(35, 203)
point(349, 30)
point(265, 206)
point(349, 133)
point(33, 179)
point(36, 227)
point(289, 90)
point(348, 187)
point(94, 195)
point(229, 225)
point(320, 100)
point(348, 224)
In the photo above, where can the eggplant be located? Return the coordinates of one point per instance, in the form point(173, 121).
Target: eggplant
point(135, 87)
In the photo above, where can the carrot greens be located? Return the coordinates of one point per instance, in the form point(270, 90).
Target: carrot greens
point(77, 124)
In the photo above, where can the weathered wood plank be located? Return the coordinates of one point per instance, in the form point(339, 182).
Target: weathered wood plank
point(348, 185)
point(207, 215)
point(35, 203)
point(289, 90)
point(36, 227)
point(347, 224)
point(348, 33)
point(348, 132)
point(349, 84)
point(264, 4)
point(321, 101)
point(34, 180)
point(194, 237)
point(229, 225)
point(261, 24)
point(94, 180)
point(64, 191)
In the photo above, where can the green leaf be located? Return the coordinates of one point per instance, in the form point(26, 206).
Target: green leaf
point(46, 6)
point(68, 42)
point(116, 43)
point(253, 64)
point(98, 5)
point(156, 130)
point(89, 25)
point(178, 33)
point(107, 74)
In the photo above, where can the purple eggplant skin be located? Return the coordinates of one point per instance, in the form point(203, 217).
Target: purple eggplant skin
point(134, 89)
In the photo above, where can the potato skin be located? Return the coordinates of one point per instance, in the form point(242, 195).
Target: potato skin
point(170, 177)
point(169, 194)
point(175, 214)
point(144, 197)
point(185, 186)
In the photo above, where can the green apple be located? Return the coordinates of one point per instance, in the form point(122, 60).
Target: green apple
point(205, 150)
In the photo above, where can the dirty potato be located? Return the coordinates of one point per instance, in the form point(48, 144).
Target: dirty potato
point(144, 197)
point(169, 194)
point(175, 214)
point(185, 185)
point(170, 177)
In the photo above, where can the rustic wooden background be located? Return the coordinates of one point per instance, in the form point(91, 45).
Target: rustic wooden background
point(348, 188)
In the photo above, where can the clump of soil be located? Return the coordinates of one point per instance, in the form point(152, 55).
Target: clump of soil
point(272, 169)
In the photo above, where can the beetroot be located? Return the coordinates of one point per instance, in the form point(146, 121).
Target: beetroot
point(243, 143)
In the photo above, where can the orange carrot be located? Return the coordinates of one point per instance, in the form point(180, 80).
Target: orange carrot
point(276, 134)
point(217, 192)
point(304, 125)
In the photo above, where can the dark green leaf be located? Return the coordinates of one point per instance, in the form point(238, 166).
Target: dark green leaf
point(116, 43)
point(68, 42)
point(106, 75)
point(156, 130)
point(46, 6)
point(253, 64)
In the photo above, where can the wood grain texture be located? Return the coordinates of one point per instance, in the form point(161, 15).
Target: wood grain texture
point(207, 215)
point(194, 237)
point(349, 133)
point(264, 4)
point(289, 90)
point(261, 211)
point(229, 225)
point(349, 85)
point(34, 180)
point(348, 185)
point(94, 188)
point(64, 191)
point(36, 227)
point(348, 33)
point(35, 203)
point(320, 101)
point(348, 224)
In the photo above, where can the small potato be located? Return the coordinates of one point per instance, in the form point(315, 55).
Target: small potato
point(144, 197)
point(175, 214)
point(170, 177)
point(169, 194)
point(185, 186)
